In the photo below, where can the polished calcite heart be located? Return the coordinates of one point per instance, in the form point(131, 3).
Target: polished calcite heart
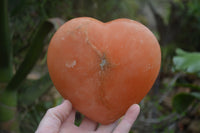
point(103, 68)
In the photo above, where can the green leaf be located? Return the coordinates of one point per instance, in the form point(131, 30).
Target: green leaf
point(5, 44)
point(33, 54)
point(29, 92)
point(187, 61)
point(182, 101)
point(196, 95)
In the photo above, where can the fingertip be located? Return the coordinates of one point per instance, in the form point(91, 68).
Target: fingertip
point(132, 113)
point(128, 119)
point(135, 108)
point(67, 102)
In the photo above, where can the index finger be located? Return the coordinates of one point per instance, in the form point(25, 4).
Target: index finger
point(54, 117)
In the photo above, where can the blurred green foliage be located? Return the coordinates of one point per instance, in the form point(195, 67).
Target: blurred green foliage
point(189, 14)
point(182, 24)
point(9, 87)
point(188, 62)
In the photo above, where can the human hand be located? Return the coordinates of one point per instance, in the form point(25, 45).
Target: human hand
point(60, 119)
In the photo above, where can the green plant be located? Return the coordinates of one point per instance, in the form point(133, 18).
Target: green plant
point(12, 93)
point(187, 62)
point(183, 17)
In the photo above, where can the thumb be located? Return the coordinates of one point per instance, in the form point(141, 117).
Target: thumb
point(54, 117)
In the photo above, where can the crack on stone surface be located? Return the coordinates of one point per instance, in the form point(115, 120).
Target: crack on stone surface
point(104, 66)
point(93, 47)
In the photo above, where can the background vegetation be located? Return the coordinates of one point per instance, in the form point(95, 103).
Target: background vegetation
point(26, 90)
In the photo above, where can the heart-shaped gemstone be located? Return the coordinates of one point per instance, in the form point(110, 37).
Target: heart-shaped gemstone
point(103, 68)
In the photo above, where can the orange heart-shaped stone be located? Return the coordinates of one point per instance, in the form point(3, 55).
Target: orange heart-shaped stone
point(103, 68)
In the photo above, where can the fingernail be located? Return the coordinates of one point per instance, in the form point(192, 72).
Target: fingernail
point(135, 107)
